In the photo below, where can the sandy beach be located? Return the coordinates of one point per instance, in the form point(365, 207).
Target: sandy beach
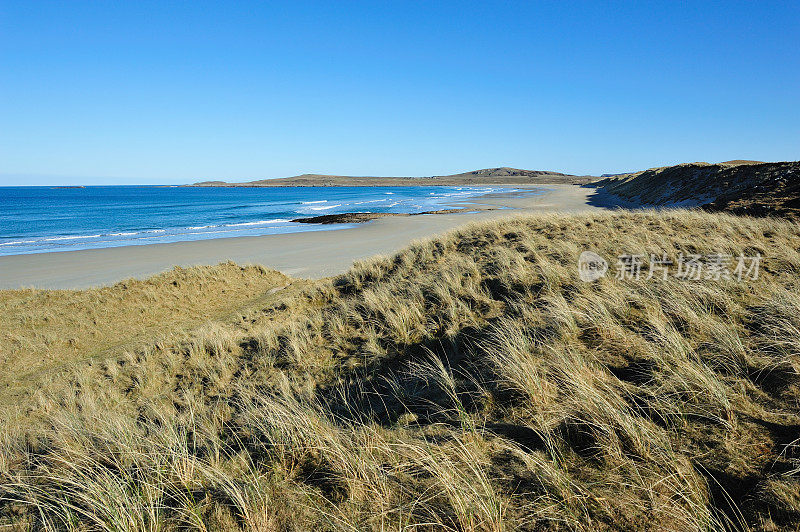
point(311, 254)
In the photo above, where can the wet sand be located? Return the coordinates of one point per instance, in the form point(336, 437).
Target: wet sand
point(310, 254)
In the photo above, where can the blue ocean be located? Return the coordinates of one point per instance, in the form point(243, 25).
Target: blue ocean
point(48, 219)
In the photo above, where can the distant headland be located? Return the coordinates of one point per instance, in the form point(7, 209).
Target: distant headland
point(487, 176)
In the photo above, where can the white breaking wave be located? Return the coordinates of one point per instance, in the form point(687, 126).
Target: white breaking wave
point(17, 242)
point(260, 222)
point(370, 201)
point(310, 202)
point(325, 208)
point(132, 233)
point(71, 237)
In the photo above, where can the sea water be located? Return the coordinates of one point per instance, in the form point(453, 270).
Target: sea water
point(48, 219)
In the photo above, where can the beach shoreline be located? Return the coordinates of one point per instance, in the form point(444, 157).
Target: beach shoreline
point(312, 254)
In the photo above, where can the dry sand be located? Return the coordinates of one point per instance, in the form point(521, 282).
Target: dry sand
point(311, 254)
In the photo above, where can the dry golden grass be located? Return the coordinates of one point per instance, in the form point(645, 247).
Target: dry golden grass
point(45, 331)
point(469, 382)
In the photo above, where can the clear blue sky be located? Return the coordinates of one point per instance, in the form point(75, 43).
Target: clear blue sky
point(172, 92)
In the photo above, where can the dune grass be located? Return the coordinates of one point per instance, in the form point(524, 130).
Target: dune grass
point(739, 187)
point(469, 382)
point(45, 331)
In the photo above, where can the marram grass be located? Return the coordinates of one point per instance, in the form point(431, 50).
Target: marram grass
point(469, 382)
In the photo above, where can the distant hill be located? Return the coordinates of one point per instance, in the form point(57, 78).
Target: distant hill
point(617, 174)
point(741, 187)
point(487, 176)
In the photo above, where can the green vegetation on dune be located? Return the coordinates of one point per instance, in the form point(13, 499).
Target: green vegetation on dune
point(469, 382)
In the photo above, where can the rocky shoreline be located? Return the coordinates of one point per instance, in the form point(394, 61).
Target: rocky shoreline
point(361, 217)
